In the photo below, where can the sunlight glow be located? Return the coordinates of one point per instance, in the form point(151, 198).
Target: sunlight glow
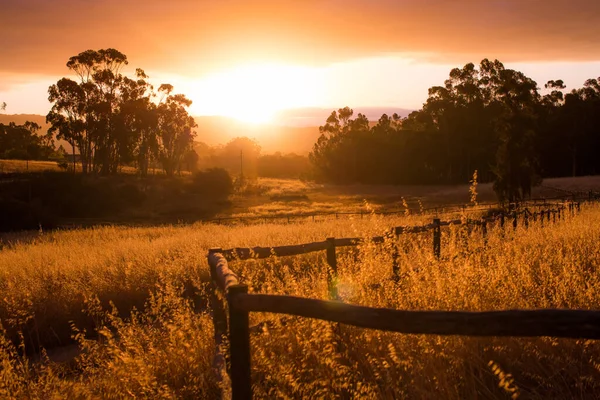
point(254, 93)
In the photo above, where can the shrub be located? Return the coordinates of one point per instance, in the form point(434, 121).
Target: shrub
point(213, 182)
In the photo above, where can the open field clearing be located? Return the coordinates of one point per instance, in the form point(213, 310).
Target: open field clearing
point(60, 287)
point(11, 166)
point(268, 197)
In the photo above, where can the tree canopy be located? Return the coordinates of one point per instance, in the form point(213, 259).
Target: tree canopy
point(113, 119)
point(21, 142)
point(489, 119)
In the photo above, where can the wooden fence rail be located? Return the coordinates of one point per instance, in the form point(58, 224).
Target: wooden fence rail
point(234, 324)
point(580, 324)
point(331, 244)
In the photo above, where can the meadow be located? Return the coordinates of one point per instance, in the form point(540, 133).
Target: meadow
point(131, 305)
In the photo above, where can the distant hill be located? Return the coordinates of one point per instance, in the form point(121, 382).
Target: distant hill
point(294, 130)
point(20, 119)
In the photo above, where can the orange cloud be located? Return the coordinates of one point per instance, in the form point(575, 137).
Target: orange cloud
point(193, 37)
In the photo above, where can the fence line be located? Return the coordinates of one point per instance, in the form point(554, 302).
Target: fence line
point(438, 210)
point(526, 323)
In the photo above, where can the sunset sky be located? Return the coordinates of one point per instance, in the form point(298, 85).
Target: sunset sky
point(250, 58)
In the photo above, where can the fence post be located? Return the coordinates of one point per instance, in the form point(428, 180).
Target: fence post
point(437, 238)
point(332, 270)
point(553, 216)
point(578, 207)
point(558, 211)
point(502, 220)
point(218, 308)
point(526, 218)
point(484, 231)
point(535, 216)
point(239, 343)
point(514, 220)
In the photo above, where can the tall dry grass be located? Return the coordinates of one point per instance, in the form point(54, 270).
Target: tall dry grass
point(84, 284)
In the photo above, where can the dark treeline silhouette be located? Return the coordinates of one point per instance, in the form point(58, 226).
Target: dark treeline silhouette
point(114, 120)
point(490, 119)
point(21, 142)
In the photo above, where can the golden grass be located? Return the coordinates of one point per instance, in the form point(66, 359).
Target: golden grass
point(46, 280)
point(7, 166)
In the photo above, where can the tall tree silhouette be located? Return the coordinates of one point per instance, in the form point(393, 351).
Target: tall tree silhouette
point(112, 119)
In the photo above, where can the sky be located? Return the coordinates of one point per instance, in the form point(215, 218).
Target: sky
point(248, 59)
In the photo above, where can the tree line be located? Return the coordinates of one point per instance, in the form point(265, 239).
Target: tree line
point(22, 142)
point(489, 119)
point(113, 119)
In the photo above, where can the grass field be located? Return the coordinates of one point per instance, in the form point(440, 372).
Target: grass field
point(8, 166)
point(264, 197)
point(134, 299)
point(268, 197)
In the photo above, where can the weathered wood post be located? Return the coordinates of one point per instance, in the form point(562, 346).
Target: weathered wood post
point(578, 207)
point(332, 270)
point(554, 216)
point(535, 216)
point(437, 238)
point(239, 342)
point(219, 317)
point(502, 220)
point(558, 211)
point(515, 220)
point(526, 218)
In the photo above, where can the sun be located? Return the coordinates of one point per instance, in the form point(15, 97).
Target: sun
point(255, 93)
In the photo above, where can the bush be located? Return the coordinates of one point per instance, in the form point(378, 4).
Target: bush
point(213, 182)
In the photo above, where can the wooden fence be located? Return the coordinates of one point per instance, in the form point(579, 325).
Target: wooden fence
point(231, 303)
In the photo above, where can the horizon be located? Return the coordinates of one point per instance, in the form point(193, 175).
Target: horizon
point(272, 57)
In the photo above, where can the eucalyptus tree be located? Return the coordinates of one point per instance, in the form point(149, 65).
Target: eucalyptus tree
point(175, 129)
point(114, 120)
